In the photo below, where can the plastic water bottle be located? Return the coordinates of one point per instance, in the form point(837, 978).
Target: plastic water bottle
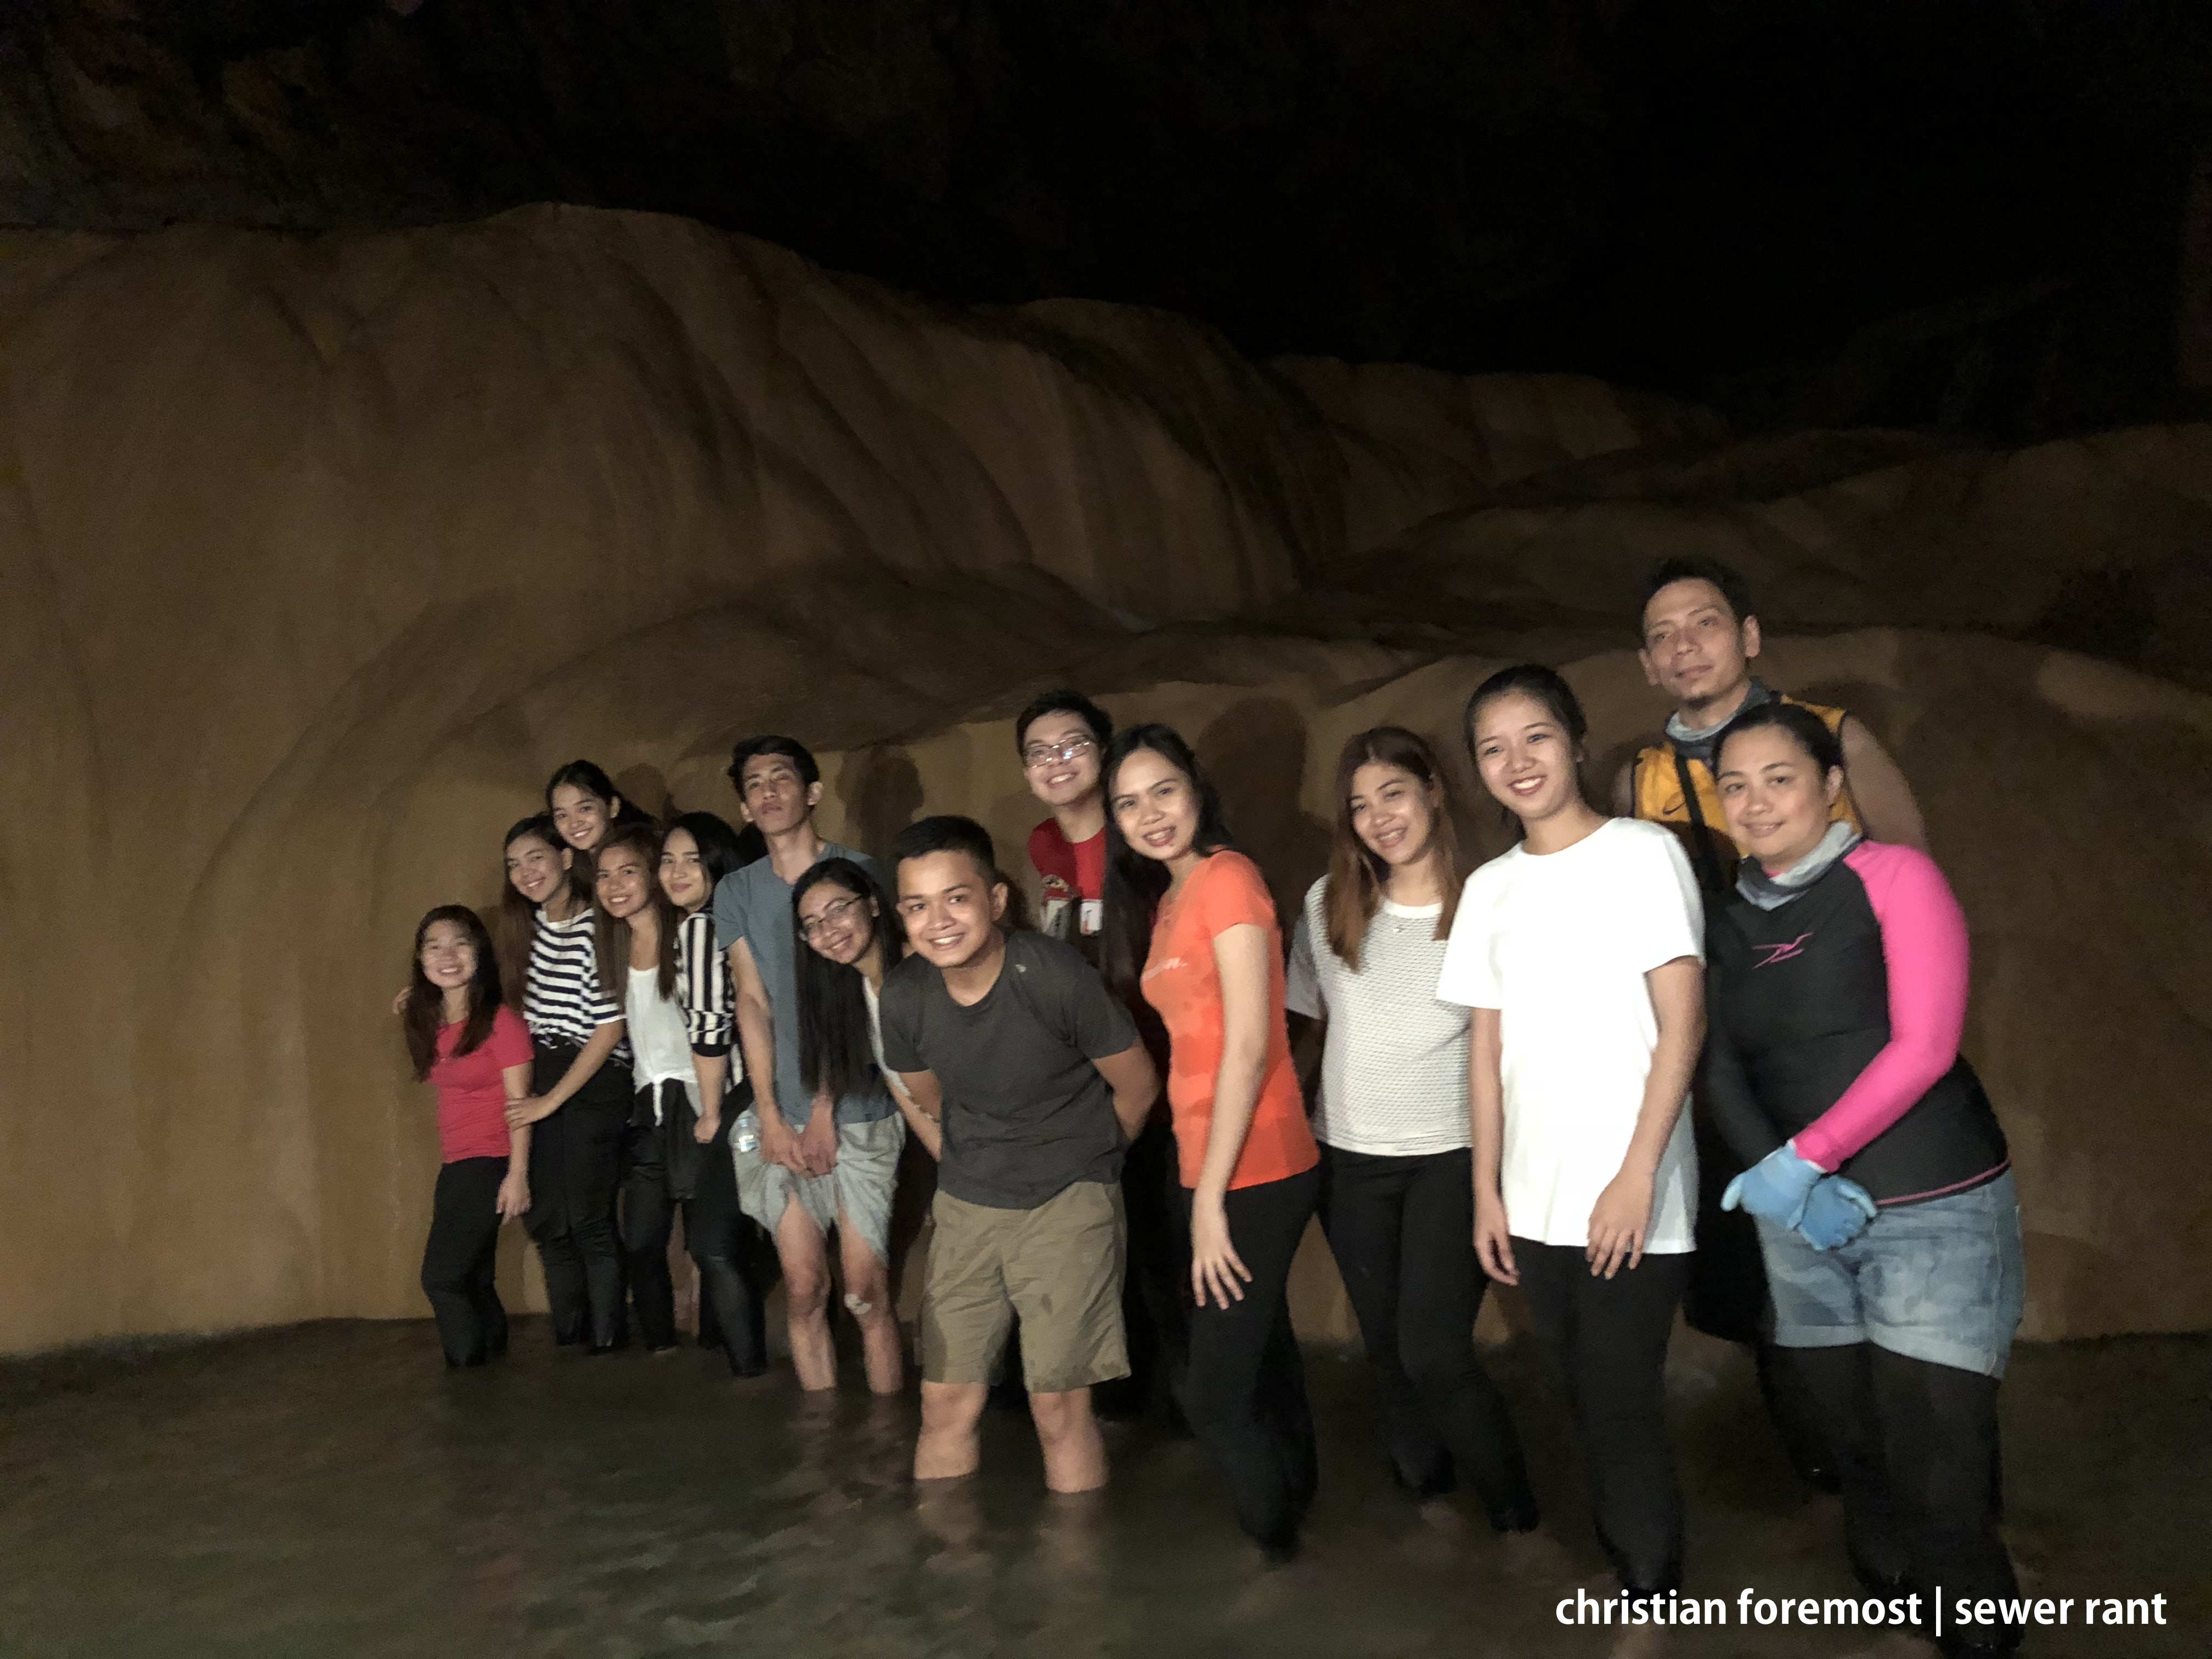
point(747, 1138)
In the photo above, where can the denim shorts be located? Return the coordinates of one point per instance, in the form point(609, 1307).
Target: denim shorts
point(1941, 1280)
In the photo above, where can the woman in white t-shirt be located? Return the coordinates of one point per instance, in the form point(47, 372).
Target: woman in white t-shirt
point(1580, 952)
point(637, 937)
point(1397, 1193)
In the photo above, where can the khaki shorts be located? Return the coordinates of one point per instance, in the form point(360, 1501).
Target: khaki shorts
point(1058, 1266)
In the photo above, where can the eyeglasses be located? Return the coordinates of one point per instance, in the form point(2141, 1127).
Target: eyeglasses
point(1044, 753)
point(836, 912)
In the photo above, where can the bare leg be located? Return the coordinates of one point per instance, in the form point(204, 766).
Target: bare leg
point(1074, 1454)
point(947, 1447)
point(805, 1257)
point(868, 1295)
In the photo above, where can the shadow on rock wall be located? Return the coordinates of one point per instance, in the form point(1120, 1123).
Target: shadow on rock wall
point(319, 554)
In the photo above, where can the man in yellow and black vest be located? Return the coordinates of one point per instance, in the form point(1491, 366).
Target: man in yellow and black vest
point(1699, 638)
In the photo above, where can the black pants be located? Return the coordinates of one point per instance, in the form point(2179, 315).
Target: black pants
point(1607, 1337)
point(667, 1171)
point(459, 1258)
point(1244, 1391)
point(1726, 1297)
point(736, 1260)
point(1917, 1445)
point(575, 1164)
point(1402, 1231)
point(1156, 1288)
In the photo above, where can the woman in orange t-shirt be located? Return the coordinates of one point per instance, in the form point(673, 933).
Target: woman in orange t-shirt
point(1190, 924)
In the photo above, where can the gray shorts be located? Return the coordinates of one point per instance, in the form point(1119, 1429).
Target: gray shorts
point(860, 1184)
point(1942, 1281)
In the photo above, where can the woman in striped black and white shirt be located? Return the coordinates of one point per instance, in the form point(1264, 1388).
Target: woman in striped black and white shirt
point(733, 1256)
point(581, 1090)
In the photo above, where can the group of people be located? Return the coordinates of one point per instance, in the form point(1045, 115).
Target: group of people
point(1500, 1065)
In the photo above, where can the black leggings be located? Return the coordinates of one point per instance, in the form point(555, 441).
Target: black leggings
point(1245, 1389)
point(1917, 1445)
point(459, 1258)
point(575, 1164)
point(1607, 1337)
point(1155, 1289)
point(1402, 1231)
point(736, 1260)
point(668, 1169)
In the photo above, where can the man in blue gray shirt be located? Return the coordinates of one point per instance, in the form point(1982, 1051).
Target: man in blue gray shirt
point(805, 1167)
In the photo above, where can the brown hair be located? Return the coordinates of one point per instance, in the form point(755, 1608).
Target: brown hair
point(1355, 874)
point(610, 934)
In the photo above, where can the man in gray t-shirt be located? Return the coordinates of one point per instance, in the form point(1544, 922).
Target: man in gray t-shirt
point(803, 1174)
point(1034, 1069)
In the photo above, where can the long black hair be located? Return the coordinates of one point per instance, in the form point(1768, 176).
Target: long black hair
point(837, 1054)
point(593, 779)
point(723, 848)
point(1134, 883)
point(426, 1003)
point(610, 935)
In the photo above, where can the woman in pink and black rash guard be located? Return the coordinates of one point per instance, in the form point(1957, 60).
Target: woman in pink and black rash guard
point(1876, 1170)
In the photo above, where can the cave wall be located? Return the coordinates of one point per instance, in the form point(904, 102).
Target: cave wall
point(318, 554)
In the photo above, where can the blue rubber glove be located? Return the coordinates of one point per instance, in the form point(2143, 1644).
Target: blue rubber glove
point(1775, 1189)
point(1836, 1212)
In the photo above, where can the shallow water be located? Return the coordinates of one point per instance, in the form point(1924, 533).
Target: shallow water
point(329, 1490)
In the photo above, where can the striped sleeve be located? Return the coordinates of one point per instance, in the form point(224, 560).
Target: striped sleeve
point(704, 987)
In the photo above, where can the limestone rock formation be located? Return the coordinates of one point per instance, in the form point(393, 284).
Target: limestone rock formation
point(317, 555)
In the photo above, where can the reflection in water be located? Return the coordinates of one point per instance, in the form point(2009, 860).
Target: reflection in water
point(329, 1490)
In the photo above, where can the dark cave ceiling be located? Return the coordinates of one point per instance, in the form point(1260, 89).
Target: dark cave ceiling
point(1961, 213)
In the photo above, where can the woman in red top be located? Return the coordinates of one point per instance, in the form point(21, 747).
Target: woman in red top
point(1189, 921)
point(475, 1051)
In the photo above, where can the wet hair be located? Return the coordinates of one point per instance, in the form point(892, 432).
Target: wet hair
point(1548, 687)
point(593, 781)
point(723, 848)
point(610, 935)
point(517, 916)
point(800, 757)
point(425, 1014)
point(837, 1054)
point(1355, 876)
point(1061, 700)
point(1727, 577)
point(1806, 729)
point(1135, 884)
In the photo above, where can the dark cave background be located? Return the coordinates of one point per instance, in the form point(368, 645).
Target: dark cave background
point(1970, 216)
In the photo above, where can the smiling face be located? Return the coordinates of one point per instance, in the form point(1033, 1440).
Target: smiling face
point(683, 872)
point(1526, 757)
point(1393, 812)
point(624, 882)
point(537, 869)
point(949, 906)
point(1695, 649)
point(1774, 796)
point(581, 817)
point(448, 956)
point(774, 796)
point(1060, 759)
point(838, 924)
point(1155, 806)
